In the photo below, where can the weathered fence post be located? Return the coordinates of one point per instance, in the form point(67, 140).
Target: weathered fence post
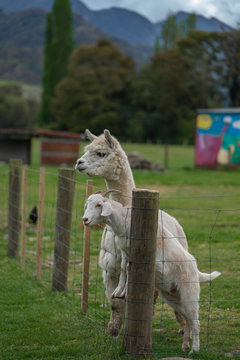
point(40, 223)
point(66, 187)
point(86, 256)
point(166, 157)
point(15, 178)
point(23, 230)
point(141, 273)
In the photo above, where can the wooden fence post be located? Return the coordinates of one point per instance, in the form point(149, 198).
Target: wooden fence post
point(40, 222)
point(141, 273)
point(23, 230)
point(86, 256)
point(14, 206)
point(166, 157)
point(66, 187)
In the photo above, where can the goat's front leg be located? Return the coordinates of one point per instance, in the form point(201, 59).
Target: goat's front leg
point(120, 291)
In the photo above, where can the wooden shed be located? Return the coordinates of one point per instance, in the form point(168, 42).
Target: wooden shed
point(56, 147)
point(16, 144)
point(59, 147)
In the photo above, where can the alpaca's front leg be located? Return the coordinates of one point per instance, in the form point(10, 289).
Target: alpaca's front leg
point(120, 291)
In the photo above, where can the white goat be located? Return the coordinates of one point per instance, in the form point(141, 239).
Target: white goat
point(177, 276)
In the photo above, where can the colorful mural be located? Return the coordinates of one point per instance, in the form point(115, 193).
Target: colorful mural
point(217, 137)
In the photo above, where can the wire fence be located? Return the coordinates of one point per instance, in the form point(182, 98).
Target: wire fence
point(210, 222)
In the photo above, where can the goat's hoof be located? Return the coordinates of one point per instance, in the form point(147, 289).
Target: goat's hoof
point(180, 332)
point(194, 350)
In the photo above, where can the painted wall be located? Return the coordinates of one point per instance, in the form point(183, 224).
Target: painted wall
point(217, 138)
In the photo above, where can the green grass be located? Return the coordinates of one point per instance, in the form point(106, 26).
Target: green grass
point(206, 203)
point(39, 324)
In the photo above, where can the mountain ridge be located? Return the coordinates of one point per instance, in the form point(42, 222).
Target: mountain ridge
point(137, 29)
point(22, 34)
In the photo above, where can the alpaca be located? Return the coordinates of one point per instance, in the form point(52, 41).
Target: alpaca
point(104, 157)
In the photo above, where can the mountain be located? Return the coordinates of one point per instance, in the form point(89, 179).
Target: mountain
point(118, 22)
point(22, 28)
point(19, 5)
point(22, 41)
point(202, 23)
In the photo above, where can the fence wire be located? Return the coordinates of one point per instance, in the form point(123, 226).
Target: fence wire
point(212, 229)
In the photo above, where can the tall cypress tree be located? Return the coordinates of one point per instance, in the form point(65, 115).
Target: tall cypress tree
point(45, 116)
point(59, 45)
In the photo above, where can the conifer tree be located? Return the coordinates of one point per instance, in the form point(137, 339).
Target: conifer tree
point(45, 116)
point(59, 45)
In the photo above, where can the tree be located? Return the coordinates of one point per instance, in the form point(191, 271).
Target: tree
point(17, 111)
point(59, 45)
point(168, 91)
point(95, 92)
point(45, 116)
point(172, 31)
point(160, 98)
point(200, 54)
point(231, 60)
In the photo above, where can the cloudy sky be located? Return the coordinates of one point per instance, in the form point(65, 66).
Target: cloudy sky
point(227, 11)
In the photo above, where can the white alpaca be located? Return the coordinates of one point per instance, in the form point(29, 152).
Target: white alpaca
point(177, 275)
point(104, 157)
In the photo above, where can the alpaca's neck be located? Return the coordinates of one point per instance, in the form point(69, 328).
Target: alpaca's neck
point(125, 184)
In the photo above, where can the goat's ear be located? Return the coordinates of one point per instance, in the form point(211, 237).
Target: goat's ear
point(90, 136)
point(106, 209)
point(109, 139)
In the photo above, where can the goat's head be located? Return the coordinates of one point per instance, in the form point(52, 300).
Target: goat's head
point(101, 157)
point(97, 208)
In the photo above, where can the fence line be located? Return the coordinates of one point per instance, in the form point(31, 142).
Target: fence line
point(23, 228)
point(86, 255)
point(66, 187)
point(14, 206)
point(40, 223)
point(219, 302)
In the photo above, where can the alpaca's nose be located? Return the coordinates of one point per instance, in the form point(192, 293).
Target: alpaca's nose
point(78, 163)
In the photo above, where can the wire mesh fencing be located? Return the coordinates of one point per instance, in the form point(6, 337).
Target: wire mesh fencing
point(40, 236)
point(211, 224)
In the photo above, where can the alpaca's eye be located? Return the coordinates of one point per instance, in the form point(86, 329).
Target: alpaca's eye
point(101, 154)
point(98, 205)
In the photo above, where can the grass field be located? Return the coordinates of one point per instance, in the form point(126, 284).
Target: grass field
point(206, 203)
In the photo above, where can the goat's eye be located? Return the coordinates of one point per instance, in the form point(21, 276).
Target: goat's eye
point(98, 205)
point(101, 154)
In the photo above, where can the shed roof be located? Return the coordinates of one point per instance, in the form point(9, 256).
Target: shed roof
point(28, 133)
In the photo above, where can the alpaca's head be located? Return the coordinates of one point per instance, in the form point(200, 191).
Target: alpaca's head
point(103, 157)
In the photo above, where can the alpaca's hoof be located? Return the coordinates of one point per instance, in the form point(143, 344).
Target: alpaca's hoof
point(113, 330)
point(185, 347)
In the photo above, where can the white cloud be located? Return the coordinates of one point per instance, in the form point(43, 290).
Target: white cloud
point(236, 124)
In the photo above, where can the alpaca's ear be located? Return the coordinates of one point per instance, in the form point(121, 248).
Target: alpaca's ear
point(90, 136)
point(109, 139)
point(106, 209)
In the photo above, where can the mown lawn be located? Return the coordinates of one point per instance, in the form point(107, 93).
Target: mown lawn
point(37, 323)
point(206, 203)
